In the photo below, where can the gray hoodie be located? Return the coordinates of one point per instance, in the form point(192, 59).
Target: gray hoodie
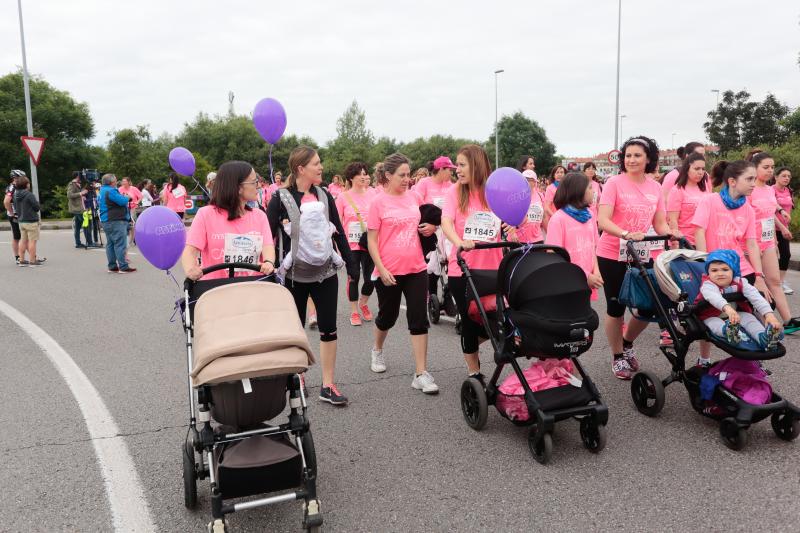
point(26, 206)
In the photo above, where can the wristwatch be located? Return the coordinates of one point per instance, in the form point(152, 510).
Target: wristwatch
point(624, 234)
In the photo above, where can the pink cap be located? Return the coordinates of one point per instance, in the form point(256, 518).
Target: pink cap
point(443, 162)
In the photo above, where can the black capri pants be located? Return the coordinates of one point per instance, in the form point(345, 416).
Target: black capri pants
point(415, 288)
point(471, 331)
point(784, 252)
point(362, 258)
point(613, 273)
point(324, 294)
point(15, 233)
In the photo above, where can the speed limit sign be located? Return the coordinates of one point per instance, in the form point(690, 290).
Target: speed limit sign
point(188, 204)
point(613, 157)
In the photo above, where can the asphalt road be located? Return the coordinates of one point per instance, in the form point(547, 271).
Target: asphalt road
point(393, 460)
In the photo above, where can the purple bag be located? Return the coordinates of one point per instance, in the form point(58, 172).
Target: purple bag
point(745, 379)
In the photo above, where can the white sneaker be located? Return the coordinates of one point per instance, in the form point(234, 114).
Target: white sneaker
point(377, 364)
point(787, 289)
point(424, 382)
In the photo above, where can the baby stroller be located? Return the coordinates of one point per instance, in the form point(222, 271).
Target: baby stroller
point(245, 350)
point(542, 311)
point(437, 265)
point(678, 275)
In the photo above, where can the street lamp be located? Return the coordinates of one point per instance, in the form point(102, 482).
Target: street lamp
point(619, 41)
point(34, 179)
point(496, 133)
point(716, 91)
point(673, 140)
point(620, 129)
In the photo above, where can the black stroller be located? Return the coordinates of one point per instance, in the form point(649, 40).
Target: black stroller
point(677, 275)
point(547, 316)
point(245, 350)
point(437, 305)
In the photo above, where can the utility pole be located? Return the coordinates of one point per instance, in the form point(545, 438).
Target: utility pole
point(34, 177)
point(616, 108)
point(496, 132)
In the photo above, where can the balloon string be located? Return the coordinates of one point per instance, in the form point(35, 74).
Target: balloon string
point(178, 302)
point(270, 165)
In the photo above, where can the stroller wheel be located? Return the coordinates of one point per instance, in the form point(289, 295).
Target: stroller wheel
point(647, 392)
point(593, 435)
point(310, 453)
point(785, 426)
point(189, 477)
point(541, 446)
point(449, 304)
point(474, 406)
point(217, 526)
point(733, 436)
point(434, 309)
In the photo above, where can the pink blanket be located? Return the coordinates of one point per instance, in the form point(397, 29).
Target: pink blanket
point(540, 375)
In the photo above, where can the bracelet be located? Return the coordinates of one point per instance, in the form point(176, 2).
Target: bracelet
point(268, 261)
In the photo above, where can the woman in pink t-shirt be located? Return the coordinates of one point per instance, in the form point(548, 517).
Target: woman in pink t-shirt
point(557, 173)
point(689, 190)
point(467, 219)
point(394, 245)
point(668, 182)
point(574, 228)
point(766, 207)
point(353, 205)
point(631, 207)
point(783, 176)
point(174, 195)
point(227, 230)
point(336, 187)
point(530, 231)
point(597, 189)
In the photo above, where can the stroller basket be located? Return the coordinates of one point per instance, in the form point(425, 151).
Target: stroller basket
point(513, 406)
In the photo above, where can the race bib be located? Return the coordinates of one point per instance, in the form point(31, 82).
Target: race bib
point(438, 201)
point(642, 250)
point(768, 230)
point(242, 249)
point(482, 226)
point(354, 232)
point(178, 193)
point(535, 213)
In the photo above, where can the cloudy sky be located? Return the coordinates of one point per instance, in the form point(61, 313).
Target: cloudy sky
point(418, 67)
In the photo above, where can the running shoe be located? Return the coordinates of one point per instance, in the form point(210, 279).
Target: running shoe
point(665, 340)
point(113, 270)
point(366, 313)
point(332, 395)
point(621, 368)
point(16, 260)
point(23, 263)
point(424, 382)
point(629, 354)
point(786, 288)
point(355, 319)
point(36, 263)
point(377, 362)
point(312, 321)
point(792, 325)
point(41, 259)
point(731, 333)
point(129, 270)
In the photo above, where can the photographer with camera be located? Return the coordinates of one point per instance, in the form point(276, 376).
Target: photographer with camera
point(75, 205)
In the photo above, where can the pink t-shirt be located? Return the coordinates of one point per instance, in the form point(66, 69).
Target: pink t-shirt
point(224, 241)
point(478, 224)
point(668, 182)
point(764, 203)
point(133, 193)
point(350, 222)
point(785, 200)
point(579, 239)
point(335, 189)
point(396, 219)
point(176, 198)
point(634, 208)
point(596, 201)
point(431, 192)
point(726, 228)
point(549, 194)
point(684, 201)
point(531, 228)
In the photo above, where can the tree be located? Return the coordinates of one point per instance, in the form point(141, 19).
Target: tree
point(353, 141)
point(63, 121)
point(766, 124)
point(792, 123)
point(132, 152)
point(520, 135)
point(422, 150)
point(738, 122)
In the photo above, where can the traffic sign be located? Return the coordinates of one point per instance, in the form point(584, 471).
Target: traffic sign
point(614, 156)
point(188, 203)
point(34, 147)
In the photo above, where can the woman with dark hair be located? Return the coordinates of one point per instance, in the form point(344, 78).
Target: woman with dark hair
point(174, 195)
point(353, 206)
point(669, 179)
point(590, 169)
point(228, 230)
point(320, 283)
point(631, 207)
point(557, 173)
point(783, 176)
point(689, 190)
point(526, 162)
point(765, 205)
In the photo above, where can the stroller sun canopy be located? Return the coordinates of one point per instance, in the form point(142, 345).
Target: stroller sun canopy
point(248, 330)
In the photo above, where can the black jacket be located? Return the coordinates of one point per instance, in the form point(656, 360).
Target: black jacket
point(26, 206)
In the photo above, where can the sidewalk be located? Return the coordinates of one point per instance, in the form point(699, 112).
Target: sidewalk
point(67, 224)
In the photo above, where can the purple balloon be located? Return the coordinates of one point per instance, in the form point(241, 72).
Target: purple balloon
point(508, 195)
point(182, 161)
point(269, 118)
point(160, 236)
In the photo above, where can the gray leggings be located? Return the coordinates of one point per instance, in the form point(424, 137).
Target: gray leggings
point(749, 323)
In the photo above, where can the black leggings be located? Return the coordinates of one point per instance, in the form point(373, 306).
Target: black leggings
point(784, 252)
point(471, 331)
point(433, 284)
point(414, 288)
point(362, 258)
point(325, 297)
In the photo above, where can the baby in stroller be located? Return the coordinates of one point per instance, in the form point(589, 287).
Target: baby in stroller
point(723, 277)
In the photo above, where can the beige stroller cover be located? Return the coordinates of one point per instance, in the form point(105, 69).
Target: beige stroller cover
point(663, 275)
point(248, 330)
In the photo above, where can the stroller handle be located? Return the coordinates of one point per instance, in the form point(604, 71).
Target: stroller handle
point(231, 267)
point(509, 244)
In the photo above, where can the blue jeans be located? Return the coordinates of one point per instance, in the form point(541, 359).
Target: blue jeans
point(116, 243)
point(87, 233)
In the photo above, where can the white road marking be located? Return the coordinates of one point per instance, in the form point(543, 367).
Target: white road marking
point(126, 499)
point(446, 318)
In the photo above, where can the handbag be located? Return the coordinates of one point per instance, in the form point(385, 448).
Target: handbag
point(634, 293)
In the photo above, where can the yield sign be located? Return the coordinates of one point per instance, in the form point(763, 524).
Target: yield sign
point(34, 146)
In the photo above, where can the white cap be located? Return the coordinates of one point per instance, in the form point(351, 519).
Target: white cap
point(529, 174)
point(211, 176)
